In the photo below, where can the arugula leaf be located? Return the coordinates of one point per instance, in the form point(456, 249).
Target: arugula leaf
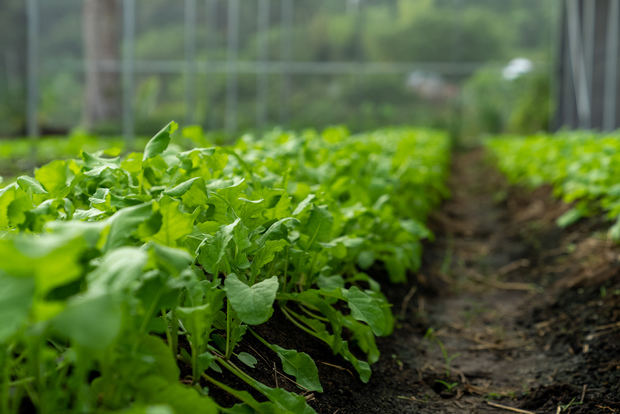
point(160, 141)
point(253, 304)
point(370, 307)
point(300, 366)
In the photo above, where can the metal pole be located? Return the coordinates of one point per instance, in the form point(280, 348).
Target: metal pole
point(33, 69)
point(285, 56)
point(211, 7)
point(129, 11)
point(589, 19)
point(611, 65)
point(578, 64)
point(190, 61)
point(262, 85)
point(231, 76)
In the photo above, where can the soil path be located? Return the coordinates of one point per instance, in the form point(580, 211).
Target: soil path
point(482, 299)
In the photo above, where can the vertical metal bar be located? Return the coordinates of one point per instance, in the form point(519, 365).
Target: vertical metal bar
point(286, 12)
point(127, 68)
point(232, 73)
point(33, 69)
point(262, 86)
point(211, 7)
point(557, 69)
point(578, 64)
point(190, 61)
point(589, 19)
point(611, 66)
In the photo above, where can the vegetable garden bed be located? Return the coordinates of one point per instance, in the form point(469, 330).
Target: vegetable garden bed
point(286, 275)
point(130, 283)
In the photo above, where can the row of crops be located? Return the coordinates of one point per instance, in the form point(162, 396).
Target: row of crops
point(582, 167)
point(130, 284)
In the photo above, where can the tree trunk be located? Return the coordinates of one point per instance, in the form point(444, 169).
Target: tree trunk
point(102, 98)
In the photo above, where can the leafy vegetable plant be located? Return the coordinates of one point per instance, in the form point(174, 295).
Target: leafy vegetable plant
point(582, 167)
point(130, 284)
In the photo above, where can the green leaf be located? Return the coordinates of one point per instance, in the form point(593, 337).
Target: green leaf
point(288, 401)
point(247, 359)
point(268, 253)
point(173, 260)
point(31, 185)
point(253, 304)
point(53, 259)
point(160, 141)
point(614, 231)
point(570, 217)
point(371, 308)
point(300, 366)
point(118, 270)
point(125, 222)
point(174, 223)
point(318, 226)
point(53, 176)
point(157, 354)
point(14, 203)
point(181, 399)
point(212, 249)
point(16, 295)
point(91, 322)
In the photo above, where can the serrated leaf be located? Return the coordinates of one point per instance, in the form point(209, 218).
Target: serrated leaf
point(174, 223)
point(212, 249)
point(31, 185)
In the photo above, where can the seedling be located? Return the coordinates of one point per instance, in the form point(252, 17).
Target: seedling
point(449, 385)
point(433, 338)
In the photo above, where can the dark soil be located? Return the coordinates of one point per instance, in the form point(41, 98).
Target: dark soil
point(508, 313)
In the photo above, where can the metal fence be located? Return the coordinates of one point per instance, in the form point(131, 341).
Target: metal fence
point(275, 72)
point(587, 71)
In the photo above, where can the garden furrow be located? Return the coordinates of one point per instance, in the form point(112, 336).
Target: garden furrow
point(483, 331)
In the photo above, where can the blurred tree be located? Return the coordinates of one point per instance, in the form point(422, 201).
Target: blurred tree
point(100, 25)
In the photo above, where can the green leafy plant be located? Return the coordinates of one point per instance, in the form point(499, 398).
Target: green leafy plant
point(120, 273)
point(583, 168)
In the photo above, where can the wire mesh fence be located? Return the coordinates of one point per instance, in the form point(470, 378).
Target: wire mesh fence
point(237, 65)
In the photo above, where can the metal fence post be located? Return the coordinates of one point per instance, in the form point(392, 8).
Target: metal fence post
point(262, 85)
point(129, 11)
point(285, 56)
point(589, 20)
point(578, 64)
point(33, 69)
point(211, 19)
point(611, 66)
point(190, 61)
point(231, 73)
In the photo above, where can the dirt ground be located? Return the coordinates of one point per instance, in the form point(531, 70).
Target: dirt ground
point(508, 314)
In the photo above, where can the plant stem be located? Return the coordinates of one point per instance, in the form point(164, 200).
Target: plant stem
point(299, 325)
point(311, 314)
point(4, 389)
point(237, 394)
point(172, 332)
point(261, 339)
point(228, 316)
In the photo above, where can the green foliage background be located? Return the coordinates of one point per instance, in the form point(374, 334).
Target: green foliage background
point(434, 31)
